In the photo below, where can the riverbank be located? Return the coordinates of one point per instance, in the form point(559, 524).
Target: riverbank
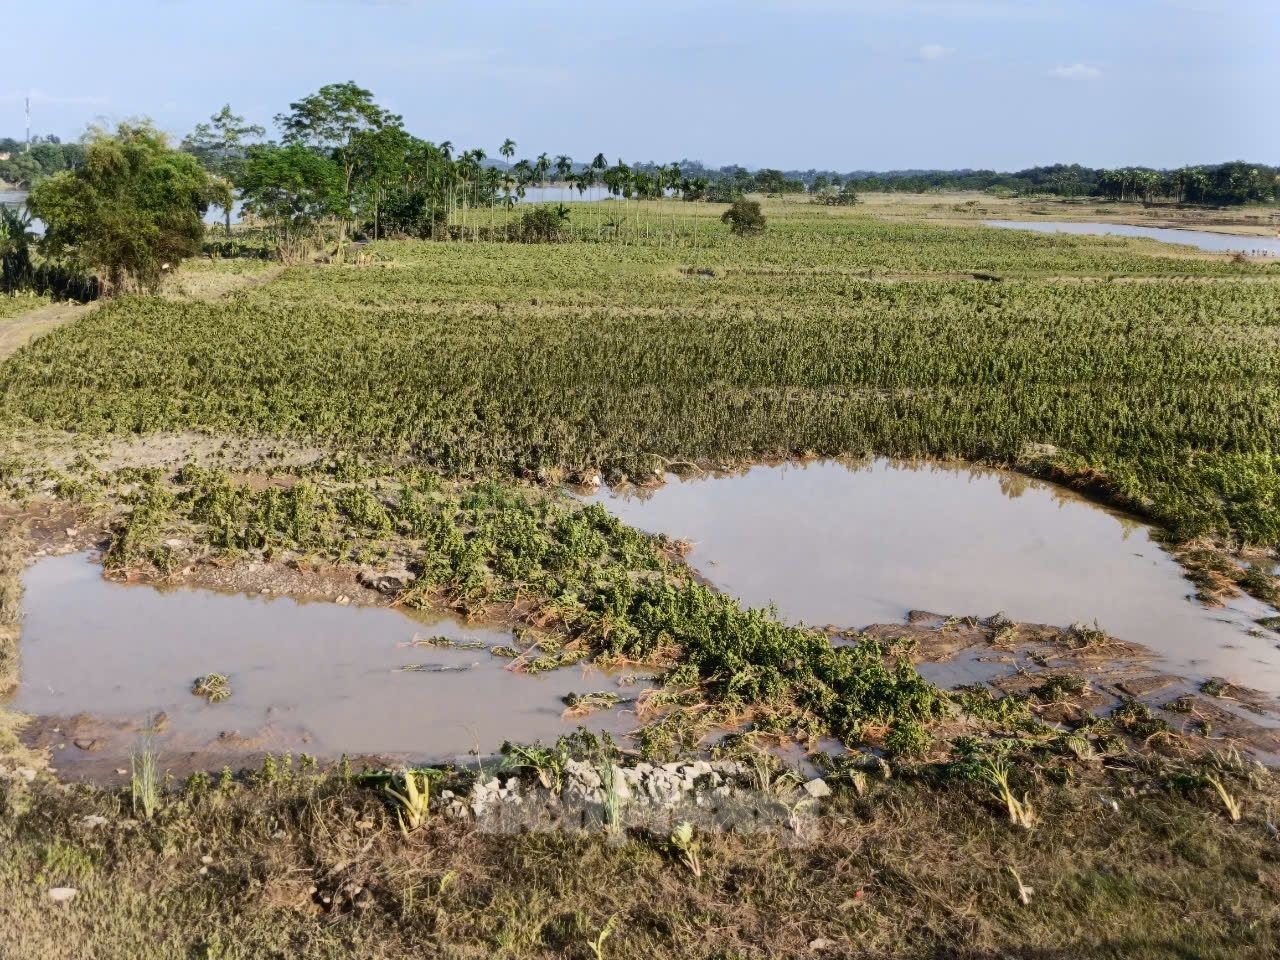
point(963, 206)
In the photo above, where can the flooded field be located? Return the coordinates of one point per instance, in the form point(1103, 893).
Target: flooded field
point(317, 678)
point(1203, 239)
point(854, 545)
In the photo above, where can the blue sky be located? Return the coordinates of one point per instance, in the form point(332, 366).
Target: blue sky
point(844, 84)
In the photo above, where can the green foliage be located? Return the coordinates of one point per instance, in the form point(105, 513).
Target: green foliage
point(744, 217)
point(213, 687)
point(623, 363)
point(294, 190)
point(132, 210)
point(543, 224)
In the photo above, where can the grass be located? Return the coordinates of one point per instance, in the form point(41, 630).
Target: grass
point(317, 866)
point(11, 305)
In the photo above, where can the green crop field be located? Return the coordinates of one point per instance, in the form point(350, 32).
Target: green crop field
point(833, 333)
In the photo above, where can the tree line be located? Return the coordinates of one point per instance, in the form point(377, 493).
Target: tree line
point(22, 166)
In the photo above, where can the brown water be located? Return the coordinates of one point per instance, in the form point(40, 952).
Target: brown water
point(315, 677)
point(835, 544)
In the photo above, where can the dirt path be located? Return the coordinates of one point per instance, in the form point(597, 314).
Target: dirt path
point(17, 332)
point(190, 284)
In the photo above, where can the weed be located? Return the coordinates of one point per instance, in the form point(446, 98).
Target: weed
point(996, 772)
point(1229, 802)
point(684, 842)
point(214, 687)
point(144, 777)
point(412, 799)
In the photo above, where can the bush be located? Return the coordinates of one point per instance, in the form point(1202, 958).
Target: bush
point(744, 217)
point(543, 224)
point(133, 210)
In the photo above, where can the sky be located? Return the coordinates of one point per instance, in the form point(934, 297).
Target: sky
point(794, 84)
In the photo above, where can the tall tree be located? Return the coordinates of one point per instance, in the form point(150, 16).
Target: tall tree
point(295, 190)
point(220, 146)
point(332, 120)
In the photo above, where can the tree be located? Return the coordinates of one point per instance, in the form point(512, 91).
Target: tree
point(332, 121)
point(220, 146)
point(744, 217)
point(295, 190)
point(381, 156)
point(564, 167)
point(508, 149)
point(134, 208)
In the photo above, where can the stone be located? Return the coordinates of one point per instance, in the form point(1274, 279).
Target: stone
point(817, 788)
point(63, 894)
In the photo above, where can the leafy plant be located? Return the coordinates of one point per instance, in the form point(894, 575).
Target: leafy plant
point(412, 799)
point(214, 687)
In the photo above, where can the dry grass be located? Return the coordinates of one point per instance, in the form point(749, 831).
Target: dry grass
point(322, 869)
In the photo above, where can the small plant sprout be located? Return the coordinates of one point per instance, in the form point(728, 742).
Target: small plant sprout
point(1230, 803)
point(214, 687)
point(412, 801)
point(996, 772)
point(596, 946)
point(684, 843)
point(144, 776)
point(1024, 892)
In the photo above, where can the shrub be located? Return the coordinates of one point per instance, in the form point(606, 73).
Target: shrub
point(543, 224)
point(744, 217)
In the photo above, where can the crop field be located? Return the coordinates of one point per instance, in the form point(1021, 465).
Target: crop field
point(1152, 367)
point(412, 414)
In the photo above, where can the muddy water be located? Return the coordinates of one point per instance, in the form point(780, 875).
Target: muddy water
point(318, 677)
point(1203, 239)
point(833, 544)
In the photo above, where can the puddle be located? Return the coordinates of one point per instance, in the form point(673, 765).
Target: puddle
point(1203, 239)
point(856, 545)
point(315, 678)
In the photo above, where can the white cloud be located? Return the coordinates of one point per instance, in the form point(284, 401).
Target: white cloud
point(1077, 71)
point(935, 51)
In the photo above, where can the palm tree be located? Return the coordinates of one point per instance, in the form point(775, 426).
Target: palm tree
point(508, 149)
point(542, 167)
point(564, 167)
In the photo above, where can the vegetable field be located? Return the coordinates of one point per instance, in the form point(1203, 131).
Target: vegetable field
point(833, 333)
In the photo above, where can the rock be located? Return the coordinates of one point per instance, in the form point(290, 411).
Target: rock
point(819, 944)
point(62, 894)
point(817, 788)
point(342, 600)
point(390, 582)
point(86, 743)
point(93, 820)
